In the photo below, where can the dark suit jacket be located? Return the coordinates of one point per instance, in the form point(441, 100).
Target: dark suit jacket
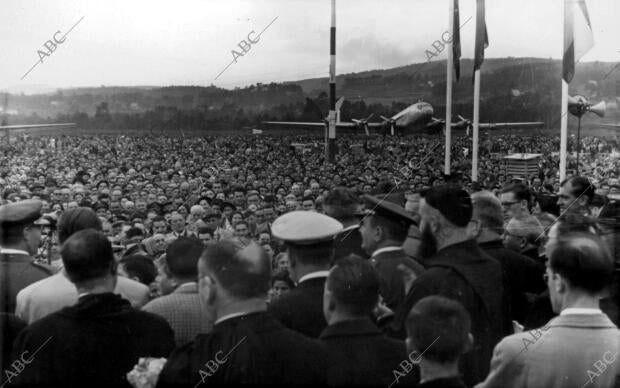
point(93, 343)
point(348, 242)
point(302, 308)
point(359, 354)
point(391, 278)
point(523, 275)
point(250, 349)
point(16, 272)
point(10, 326)
point(465, 273)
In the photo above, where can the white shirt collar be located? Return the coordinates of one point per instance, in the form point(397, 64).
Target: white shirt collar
point(385, 249)
point(229, 316)
point(350, 227)
point(312, 275)
point(10, 251)
point(579, 310)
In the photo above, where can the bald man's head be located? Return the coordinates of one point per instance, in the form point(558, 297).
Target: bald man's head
point(243, 272)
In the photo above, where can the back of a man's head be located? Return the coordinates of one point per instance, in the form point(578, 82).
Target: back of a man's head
point(488, 211)
point(77, 219)
point(583, 260)
point(243, 272)
point(340, 203)
point(452, 202)
point(439, 328)
point(87, 255)
point(354, 286)
point(182, 257)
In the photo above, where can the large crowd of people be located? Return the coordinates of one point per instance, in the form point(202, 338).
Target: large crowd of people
point(180, 261)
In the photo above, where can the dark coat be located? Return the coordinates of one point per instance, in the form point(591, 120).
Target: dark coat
point(523, 275)
point(465, 273)
point(301, 309)
point(93, 343)
point(392, 288)
point(10, 326)
point(349, 242)
point(359, 354)
point(17, 271)
point(250, 349)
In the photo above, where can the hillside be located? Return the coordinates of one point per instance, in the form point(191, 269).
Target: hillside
point(511, 89)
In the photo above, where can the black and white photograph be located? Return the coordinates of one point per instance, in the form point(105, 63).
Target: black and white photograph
point(337, 193)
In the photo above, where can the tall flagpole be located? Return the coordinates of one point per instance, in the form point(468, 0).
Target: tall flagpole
point(568, 34)
point(449, 66)
point(563, 130)
point(331, 144)
point(474, 155)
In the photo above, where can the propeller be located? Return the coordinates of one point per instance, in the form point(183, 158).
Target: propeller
point(363, 123)
point(465, 122)
point(391, 122)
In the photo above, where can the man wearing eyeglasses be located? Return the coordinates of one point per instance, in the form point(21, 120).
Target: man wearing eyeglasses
point(515, 200)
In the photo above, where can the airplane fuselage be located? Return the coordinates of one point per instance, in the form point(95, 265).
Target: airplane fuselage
point(416, 114)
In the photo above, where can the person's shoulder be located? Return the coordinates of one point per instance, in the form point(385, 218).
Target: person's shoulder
point(42, 269)
point(129, 285)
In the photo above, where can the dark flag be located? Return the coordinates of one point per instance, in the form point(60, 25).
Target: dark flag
point(578, 37)
point(482, 39)
point(456, 40)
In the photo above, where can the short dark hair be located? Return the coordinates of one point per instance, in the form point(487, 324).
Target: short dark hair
point(580, 186)
point(439, 327)
point(520, 191)
point(242, 271)
point(343, 203)
point(140, 266)
point(394, 228)
point(77, 219)
point(282, 275)
point(134, 232)
point(318, 253)
point(182, 257)
point(583, 260)
point(452, 202)
point(354, 284)
point(87, 254)
point(206, 229)
point(159, 219)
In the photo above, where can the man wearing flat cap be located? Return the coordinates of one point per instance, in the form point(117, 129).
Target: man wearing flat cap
point(384, 230)
point(19, 241)
point(309, 238)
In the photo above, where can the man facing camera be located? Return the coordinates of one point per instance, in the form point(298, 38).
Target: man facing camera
point(247, 345)
point(96, 341)
point(358, 353)
point(580, 347)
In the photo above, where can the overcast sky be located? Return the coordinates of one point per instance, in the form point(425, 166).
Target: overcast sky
point(189, 42)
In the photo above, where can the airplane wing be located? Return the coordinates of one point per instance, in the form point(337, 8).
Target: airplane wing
point(609, 125)
point(504, 125)
point(308, 124)
point(27, 126)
